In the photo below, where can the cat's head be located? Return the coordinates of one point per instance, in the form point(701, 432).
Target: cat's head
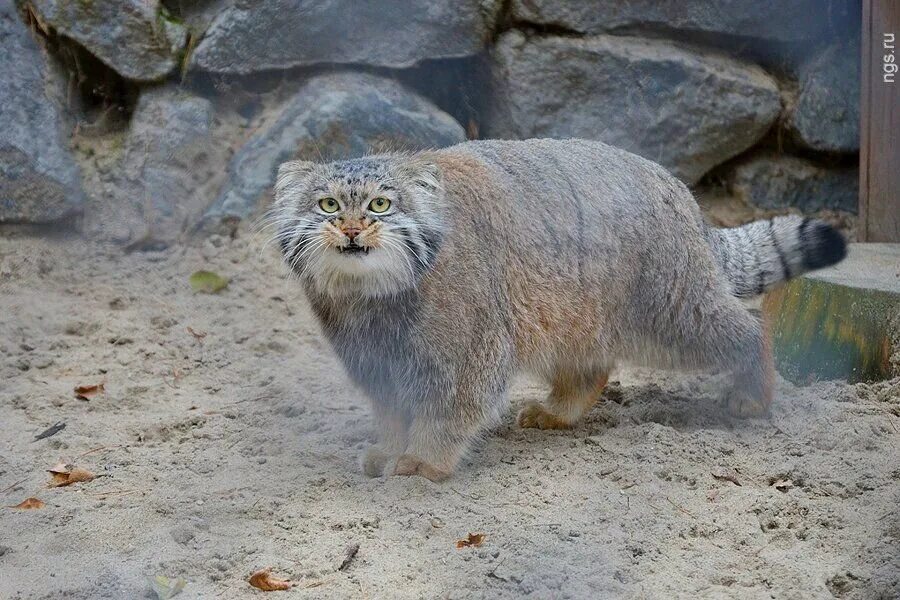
point(369, 226)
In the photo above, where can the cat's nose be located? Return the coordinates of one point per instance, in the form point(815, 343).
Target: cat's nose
point(351, 232)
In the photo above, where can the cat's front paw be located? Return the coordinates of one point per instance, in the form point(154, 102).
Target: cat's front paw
point(408, 464)
point(374, 460)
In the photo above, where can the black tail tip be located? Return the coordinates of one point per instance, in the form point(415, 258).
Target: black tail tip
point(823, 245)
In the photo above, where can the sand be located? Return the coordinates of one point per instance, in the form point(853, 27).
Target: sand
point(221, 455)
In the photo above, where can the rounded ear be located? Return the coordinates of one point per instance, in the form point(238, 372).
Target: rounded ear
point(424, 173)
point(291, 179)
point(292, 172)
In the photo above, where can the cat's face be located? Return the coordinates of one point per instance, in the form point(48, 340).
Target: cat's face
point(368, 226)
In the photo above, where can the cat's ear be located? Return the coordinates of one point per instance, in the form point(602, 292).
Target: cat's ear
point(425, 174)
point(291, 179)
point(293, 171)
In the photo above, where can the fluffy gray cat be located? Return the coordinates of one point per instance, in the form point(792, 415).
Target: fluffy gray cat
point(436, 275)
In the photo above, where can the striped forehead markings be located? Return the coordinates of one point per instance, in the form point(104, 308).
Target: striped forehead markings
point(359, 169)
point(355, 174)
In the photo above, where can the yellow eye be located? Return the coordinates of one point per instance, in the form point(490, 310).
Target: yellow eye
point(379, 205)
point(329, 205)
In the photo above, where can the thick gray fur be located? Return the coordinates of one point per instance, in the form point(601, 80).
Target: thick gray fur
point(560, 257)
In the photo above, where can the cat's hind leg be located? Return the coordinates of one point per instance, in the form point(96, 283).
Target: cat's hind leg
point(714, 330)
point(572, 394)
point(754, 378)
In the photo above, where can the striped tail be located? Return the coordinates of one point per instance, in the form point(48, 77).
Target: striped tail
point(757, 256)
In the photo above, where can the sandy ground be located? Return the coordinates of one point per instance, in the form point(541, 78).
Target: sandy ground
point(218, 456)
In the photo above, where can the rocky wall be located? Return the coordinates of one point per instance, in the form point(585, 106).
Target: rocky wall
point(140, 121)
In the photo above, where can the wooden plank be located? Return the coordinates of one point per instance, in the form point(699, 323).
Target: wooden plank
point(879, 156)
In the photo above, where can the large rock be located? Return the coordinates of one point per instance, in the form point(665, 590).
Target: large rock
point(826, 114)
point(277, 34)
point(166, 162)
point(775, 20)
point(332, 117)
point(686, 109)
point(39, 180)
point(772, 181)
point(135, 38)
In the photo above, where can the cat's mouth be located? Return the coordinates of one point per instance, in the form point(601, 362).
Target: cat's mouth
point(353, 249)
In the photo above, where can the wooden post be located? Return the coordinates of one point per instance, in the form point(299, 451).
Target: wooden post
point(879, 151)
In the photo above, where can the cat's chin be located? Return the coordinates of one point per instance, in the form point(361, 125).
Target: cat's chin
point(375, 274)
point(356, 262)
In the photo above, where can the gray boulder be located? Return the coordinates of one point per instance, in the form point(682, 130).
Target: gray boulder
point(775, 20)
point(39, 181)
point(277, 34)
point(332, 117)
point(134, 37)
point(167, 161)
point(688, 110)
point(772, 181)
point(826, 114)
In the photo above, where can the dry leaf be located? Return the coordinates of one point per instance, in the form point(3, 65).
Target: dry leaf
point(263, 580)
point(197, 334)
point(783, 485)
point(165, 587)
point(349, 555)
point(474, 540)
point(726, 475)
point(85, 392)
point(62, 475)
point(207, 282)
point(50, 431)
point(29, 504)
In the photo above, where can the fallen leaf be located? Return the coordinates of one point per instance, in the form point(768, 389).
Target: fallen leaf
point(207, 282)
point(265, 581)
point(63, 474)
point(165, 587)
point(349, 555)
point(474, 540)
point(783, 485)
point(50, 431)
point(197, 334)
point(86, 392)
point(29, 504)
point(726, 475)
